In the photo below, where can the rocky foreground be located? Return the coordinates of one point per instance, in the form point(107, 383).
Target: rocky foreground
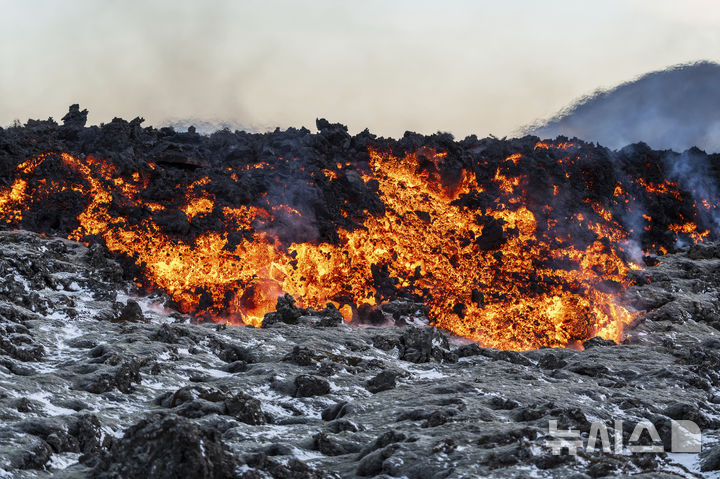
point(98, 381)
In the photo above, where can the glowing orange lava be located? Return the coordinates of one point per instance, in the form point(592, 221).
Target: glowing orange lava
point(526, 290)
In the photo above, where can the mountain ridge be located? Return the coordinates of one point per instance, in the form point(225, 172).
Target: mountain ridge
point(675, 108)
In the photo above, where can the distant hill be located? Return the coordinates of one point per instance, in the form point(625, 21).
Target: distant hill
point(206, 127)
point(675, 108)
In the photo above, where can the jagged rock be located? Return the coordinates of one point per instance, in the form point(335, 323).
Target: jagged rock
point(382, 382)
point(551, 361)
point(301, 356)
point(342, 425)
point(166, 334)
point(420, 345)
point(385, 439)
point(307, 386)
point(31, 353)
point(468, 350)
point(168, 446)
point(294, 469)
point(710, 460)
point(199, 400)
point(131, 312)
point(79, 433)
point(436, 418)
point(385, 343)
point(285, 312)
point(74, 118)
point(331, 446)
point(31, 453)
point(245, 409)
point(190, 393)
point(509, 356)
point(330, 317)
point(587, 368)
point(122, 377)
point(689, 412)
point(337, 411)
point(278, 450)
point(236, 367)
point(372, 464)
point(598, 341)
point(231, 353)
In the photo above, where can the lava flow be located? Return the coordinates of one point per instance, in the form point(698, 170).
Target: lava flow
point(497, 252)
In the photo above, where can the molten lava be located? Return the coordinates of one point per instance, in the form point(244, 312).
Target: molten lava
point(490, 262)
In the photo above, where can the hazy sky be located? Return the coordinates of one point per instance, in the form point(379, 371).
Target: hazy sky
point(466, 67)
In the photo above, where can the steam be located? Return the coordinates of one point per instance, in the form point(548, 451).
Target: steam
point(633, 222)
point(676, 109)
point(301, 197)
point(693, 172)
point(208, 127)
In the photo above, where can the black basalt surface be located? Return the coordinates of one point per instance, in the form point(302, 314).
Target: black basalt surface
point(85, 393)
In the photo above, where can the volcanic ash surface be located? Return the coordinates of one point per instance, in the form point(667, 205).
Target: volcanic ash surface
point(96, 381)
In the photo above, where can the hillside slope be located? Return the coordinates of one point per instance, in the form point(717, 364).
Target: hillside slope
point(674, 109)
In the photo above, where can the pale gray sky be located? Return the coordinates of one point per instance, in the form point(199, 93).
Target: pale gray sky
point(466, 67)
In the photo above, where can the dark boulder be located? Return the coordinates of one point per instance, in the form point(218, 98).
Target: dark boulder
point(710, 459)
point(331, 446)
point(385, 439)
point(245, 408)
point(308, 386)
point(285, 312)
point(382, 382)
point(336, 411)
point(77, 433)
point(598, 341)
point(265, 467)
point(168, 446)
point(34, 453)
point(75, 119)
point(421, 345)
point(301, 356)
point(200, 400)
point(372, 464)
point(122, 377)
point(131, 312)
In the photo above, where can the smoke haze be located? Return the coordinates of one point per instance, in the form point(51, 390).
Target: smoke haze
point(462, 66)
point(672, 109)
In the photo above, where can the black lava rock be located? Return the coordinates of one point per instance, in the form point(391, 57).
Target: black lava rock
point(285, 312)
point(710, 460)
point(418, 345)
point(598, 341)
point(382, 382)
point(372, 464)
point(294, 469)
point(169, 446)
point(336, 411)
point(245, 408)
point(301, 356)
point(331, 446)
point(385, 439)
point(308, 386)
point(131, 312)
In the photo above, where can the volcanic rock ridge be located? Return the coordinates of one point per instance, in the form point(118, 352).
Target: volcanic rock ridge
point(516, 244)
